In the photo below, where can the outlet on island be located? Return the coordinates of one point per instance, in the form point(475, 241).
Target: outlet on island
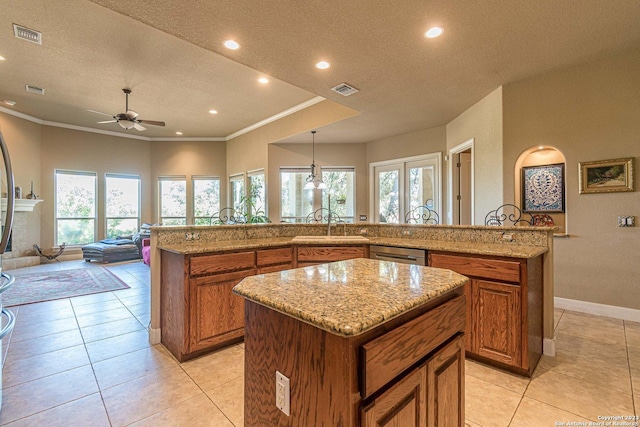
point(283, 401)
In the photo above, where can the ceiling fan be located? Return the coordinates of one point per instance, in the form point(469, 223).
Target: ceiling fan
point(129, 119)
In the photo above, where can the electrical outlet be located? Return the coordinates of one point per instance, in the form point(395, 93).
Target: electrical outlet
point(406, 232)
point(507, 237)
point(364, 231)
point(631, 221)
point(283, 397)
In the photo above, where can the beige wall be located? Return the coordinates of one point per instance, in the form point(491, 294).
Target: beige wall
point(82, 151)
point(588, 112)
point(23, 140)
point(299, 155)
point(483, 123)
point(186, 158)
point(417, 143)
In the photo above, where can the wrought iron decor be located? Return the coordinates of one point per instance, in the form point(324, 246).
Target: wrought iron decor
point(423, 215)
point(543, 188)
point(53, 257)
point(323, 215)
point(227, 216)
point(506, 215)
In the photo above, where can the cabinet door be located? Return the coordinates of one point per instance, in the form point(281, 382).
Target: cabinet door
point(217, 315)
point(445, 391)
point(498, 324)
point(404, 404)
point(309, 255)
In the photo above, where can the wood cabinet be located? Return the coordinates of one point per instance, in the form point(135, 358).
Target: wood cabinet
point(198, 310)
point(406, 372)
point(431, 395)
point(504, 308)
point(312, 255)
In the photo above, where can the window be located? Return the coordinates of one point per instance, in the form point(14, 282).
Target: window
point(404, 184)
point(75, 200)
point(206, 199)
point(257, 199)
point(122, 205)
point(173, 200)
point(341, 186)
point(297, 203)
point(236, 186)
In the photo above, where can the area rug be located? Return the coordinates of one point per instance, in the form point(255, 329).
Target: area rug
point(37, 287)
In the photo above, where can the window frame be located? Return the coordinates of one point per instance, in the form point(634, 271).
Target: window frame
point(167, 178)
point(55, 210)
point(238, 177)
point(195, 178)
point(249, 195)
point(139, 204)
point(352, 169)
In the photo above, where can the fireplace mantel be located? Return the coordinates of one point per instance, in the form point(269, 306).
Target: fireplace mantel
point(21, 205)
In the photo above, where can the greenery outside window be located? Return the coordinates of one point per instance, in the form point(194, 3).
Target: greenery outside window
point(236, 187)
point(173, 200)
point(295, 202)
point(341, 186)
point(122, 207)
point(75, 202)
point(257, 197)
point(206, 198)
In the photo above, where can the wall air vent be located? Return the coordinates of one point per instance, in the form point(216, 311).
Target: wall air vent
point(34, 89)
point(27, 34)
point(344, 89)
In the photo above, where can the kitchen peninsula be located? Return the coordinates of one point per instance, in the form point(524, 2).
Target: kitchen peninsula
point(358, 341)
point(193, 270)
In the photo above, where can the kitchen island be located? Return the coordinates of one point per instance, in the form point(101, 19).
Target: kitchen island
point(361, 342)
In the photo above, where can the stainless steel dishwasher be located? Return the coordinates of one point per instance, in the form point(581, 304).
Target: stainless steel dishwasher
point(402, 255)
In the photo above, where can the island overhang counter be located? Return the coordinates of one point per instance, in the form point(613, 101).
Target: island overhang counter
point(360, 341)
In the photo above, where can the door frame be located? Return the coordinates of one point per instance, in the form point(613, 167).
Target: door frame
point(468, 144)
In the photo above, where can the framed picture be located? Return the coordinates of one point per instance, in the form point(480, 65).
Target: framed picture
point(543, 188)
point(606, 176)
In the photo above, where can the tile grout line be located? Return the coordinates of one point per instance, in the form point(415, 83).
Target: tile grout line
point(633, 400)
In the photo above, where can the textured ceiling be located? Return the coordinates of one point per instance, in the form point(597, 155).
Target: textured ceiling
point(170, 53)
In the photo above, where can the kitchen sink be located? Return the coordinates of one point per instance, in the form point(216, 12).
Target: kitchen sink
point(337, 238)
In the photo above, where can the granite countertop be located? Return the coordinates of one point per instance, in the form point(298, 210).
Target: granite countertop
point(347, 298)
point(506, 249)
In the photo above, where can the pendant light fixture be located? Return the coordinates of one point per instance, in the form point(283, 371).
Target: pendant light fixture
point(313, 180)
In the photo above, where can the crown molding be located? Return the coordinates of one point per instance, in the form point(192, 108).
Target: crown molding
point(229, 137)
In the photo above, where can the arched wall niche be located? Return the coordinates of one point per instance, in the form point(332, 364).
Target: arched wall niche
point(539, 156)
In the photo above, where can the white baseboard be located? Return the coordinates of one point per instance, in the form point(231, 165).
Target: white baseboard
point(549, 347)
point(154, 336)
point(613, 311)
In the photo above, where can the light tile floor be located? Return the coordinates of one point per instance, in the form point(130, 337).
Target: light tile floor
point(86, 361)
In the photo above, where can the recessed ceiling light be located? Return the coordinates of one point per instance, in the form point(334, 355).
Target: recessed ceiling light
point(263, 80)
point(9, 102)
point(232, 44)
point(213, 112)
point(433, 32)
point(1, 58)
point(178, 133)
point(540, 147)
point(323, 65)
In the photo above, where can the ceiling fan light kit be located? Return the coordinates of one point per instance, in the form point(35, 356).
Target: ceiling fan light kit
point(129, 119)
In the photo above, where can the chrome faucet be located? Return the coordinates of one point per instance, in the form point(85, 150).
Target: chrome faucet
point(329, 215)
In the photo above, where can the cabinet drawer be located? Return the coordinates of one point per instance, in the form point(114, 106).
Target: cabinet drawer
point(385, 357)
point(329, 253)
point(274, 256)
point(211, 264)
point(508, 271)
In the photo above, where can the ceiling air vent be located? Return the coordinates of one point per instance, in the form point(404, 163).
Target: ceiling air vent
point(27, 34)
point(34, 89)
point(344, 89)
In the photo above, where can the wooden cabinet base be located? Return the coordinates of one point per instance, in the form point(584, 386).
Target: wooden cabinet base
point(325, 369)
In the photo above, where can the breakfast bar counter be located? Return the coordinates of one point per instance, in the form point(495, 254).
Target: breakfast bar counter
point(351, 337)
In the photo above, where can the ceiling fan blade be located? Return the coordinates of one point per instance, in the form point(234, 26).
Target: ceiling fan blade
point(151, 122)
point(99, 112)
point(108, 121)
point(131, 114)
point(139, 127)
